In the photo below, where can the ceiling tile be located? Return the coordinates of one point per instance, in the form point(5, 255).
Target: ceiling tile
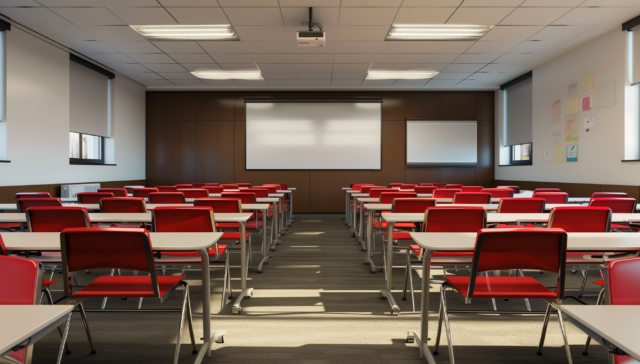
point(477, 57)
point(349, 75)
point(452, 75)
point(534, 16)
point(436, 67)
point(610, 3)
point(179, 47)
point(88, 16)
point(508, 68)
point(307, 3)
point(552, 3)
point(135, 47)
point(370, 33)
point(144, 16)
point(447, 47)
point(313, 58)
point(508, 32)
point(211, 3)
point(64, 33)
point(330, 47)
point(519, 58)
point(237, 66)
point(464, 67)
point(481, 3)
point(314, 75)
point(422, 15)
point(485, 16)
point(313, 67)
point(271, 58)
point(473, 83)
point(354, 58)
point(151, 58)
point(220, 83)
point(222, 47)
point(267, 47)
point(129, 3)
point(113, 32)
point(442, 83)
point(233, 58)
point(500, 78)
point(196, 82)
point(277, 67)
point(192, 67)
point(368, 3)
point(144, 76)
point(296, 16)
point(283, 82)
point(156, 82)
point(127, 68)
point(492, 46)
point(395, 58)
point(54, 3)
point(389, 66)
point(367, 16)
point(270, 33)
point(430, 3)
point(378, 82)
point(199, 15)
point(542, 46)
point(337, 82)
point(351, 67)
point(254, 16)
point(15, 3)
point(88, 47)
point(249, 3)
point(402, 47)
point(191, 58)
point(171, 67)
point(436, 58)
point(178, 75)
point(561, 32)
point(590, 16)
point(34, 16)
point(252, 83)
point(357, 47)
point(410, 82)
point(326, 82)
point(112, 58)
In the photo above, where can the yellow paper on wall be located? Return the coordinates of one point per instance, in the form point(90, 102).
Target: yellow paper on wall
point(559, 155)
point(572, 106)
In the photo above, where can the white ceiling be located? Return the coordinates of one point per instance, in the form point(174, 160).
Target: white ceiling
point(527, 33)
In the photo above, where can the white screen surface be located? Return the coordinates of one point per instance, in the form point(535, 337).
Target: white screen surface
point(313, 135)
point(442, 142)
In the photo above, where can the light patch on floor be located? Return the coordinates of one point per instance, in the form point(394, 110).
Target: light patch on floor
point(305, 246)
point(297, 266)
point(309, 233)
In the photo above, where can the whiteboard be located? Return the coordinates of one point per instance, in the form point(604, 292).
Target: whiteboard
point(442, 142)
point(313, 135)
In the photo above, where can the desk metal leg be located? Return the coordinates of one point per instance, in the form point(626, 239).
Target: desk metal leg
point(361, 238)
point(423, 338)
point(282, 219)
point(265, 247)
point(346, 207)
point(354, 226)
point(290, 208)
point(246, 292)
point(369, 245)
point(206, 308)
point(386, 293)
point(272, 234)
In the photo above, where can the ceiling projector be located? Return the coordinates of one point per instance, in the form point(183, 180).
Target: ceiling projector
point(311, 38)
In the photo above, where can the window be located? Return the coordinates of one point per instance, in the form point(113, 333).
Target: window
point(517, 126)
point(85, 149)
point(4, 27)
point(521, 154)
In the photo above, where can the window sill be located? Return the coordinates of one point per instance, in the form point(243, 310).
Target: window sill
point(630, 160)
point(515, 165)
point(4, 161)
point(90, 164)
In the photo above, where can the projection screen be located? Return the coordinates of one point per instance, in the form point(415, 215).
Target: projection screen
point(313, 135)
point(440, 142)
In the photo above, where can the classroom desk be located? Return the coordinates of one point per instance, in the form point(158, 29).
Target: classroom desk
point(275, 231)
point(289, 215)
point(611, 326)
point(346, 204)
point(199, 242)
point(26, 324)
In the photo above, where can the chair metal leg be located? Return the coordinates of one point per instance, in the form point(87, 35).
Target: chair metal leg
point(46, 292)
point(140, 303)
point(225, 279)
point(600, 300)
point(406, 276)
point(585, 274)
point(526, 300)
point(63, 340)
point(190, 322)
point(86, 327)
point(446, 323)
point(564, 336)
point(544, 329)
point(413, 297)
point(182, 315)
point(440, 318)
point(104, 300)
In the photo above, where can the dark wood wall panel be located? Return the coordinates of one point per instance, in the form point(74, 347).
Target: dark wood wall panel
point(215, 151)
point(299, 180)
point(8, 193)
point(177, 152)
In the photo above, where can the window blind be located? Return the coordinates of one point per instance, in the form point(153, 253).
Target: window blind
point(635, 54)
point(89, 101)
point(518, 119)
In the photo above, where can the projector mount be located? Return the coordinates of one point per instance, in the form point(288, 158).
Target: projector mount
point(311, 23)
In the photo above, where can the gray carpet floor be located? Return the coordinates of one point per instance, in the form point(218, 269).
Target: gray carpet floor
point(316, 303)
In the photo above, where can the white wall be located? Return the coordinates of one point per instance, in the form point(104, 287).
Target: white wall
point(37, 124)
point(601, 149)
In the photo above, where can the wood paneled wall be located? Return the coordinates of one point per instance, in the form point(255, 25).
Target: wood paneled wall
point(8, 194)
point(199, 136)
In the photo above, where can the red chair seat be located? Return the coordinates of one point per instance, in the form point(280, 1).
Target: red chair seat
point(399, 236)
point(10, 226)
point(403, 225)
point(614, 226)
point(502, 287)
point(251, 224)
point(48, 283)
point(505, 226)
point(127, 286)
point(233, 236)
point(269, 214)
point(416, 249)
point(221, 249)
point(625, 359)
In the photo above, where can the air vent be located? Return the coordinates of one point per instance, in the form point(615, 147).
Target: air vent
point(307, 34)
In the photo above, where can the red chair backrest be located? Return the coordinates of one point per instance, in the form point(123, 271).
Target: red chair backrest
point(244, 184)
point(213, 184)
point(617, 205)
point(20, 281)
point(214, 189)
point(245, 197)
point(454, 219)
point(92, 197)
point(472, 188)
point(499, 192)
point(426, 184)
point(375, 192)
point(24, 195)
point(624, 280)
point(284, 186)
point(259, 192)
point(25, 203)
point(123, 205)
point(3, 249)
point(425, 189)
point(609, 195)
point(276, 185)
point(395, 184)
point(167, 189)
point(516, 189)
point(580, 219)
point(408, 186)
point(166, 197)
point(459, 186)
point(440, 185)
point(221, 205)
point(187, 219)
point(412, 205)
point(547, 190)
point(358, 186)
point(388, 197)
point(521, 205)
point(194, 192)
point(472, 197)
point(553, 197)
point(445, 192)
point(538, 249)
point(198, 185)
point(117, 192)
point(230, 186)
point(271, 189)
point(184, 185)
point(367, 189)
point(143, 192)
point(56, 219)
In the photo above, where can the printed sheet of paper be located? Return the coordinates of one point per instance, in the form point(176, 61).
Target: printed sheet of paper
point(573, 88)
point(558, 154)
point(572, 128)
point(556, 112)
point(547, 154)
point(556, 137)
point(606, 93)
point(589, 122)
point(572, 153)
point(572, 106)
point(586, 103)
point(587, 82)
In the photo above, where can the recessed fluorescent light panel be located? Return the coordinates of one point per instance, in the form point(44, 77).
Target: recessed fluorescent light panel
point(400, 75)
point(438, 32)
point(186, 32)
point(229, 75)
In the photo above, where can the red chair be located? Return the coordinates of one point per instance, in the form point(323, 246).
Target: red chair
point(248, 185)
point(472, 188)
point(260, 192)
point(117, 192)
point(123, 205)
point(472, 197)
point(198, 185)
point(608, 195)
point(405, 205)
point(245, 198)
point(131, 188)
point(92, 197)
point(395, 184)
point(546, 190)
point(166, 197)
point(553, 197)
point(440, 185)
point(213, 184)
point(426, 184)
point(358, 186)
point(125, 249)
point(184, 185)
point(389, 197)
point(425, 189)
point(367, 189)
point(214, 189)
point(144, 192)
point(24, 195)
point(539, 249)
point(194, 192)
point(521, 205)
point(271, 189)
point(55, 219)
point(499, 192)
point(516, 189)
point(25, 203)
point(408, 186)
point(617, 206)
point(458, 186)
point(376, 192)
point(445, 192)
point(230, 186)
point(167, 189)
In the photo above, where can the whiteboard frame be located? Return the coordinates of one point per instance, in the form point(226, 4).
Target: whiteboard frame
point(435, 164)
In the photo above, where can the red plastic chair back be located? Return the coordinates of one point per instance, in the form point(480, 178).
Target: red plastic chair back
point(92, 197)
point(123, 205)
point(271, 189)
point(547, 190)
point(367, 189)
point(376, 192)
point(472, 188)
point(194, 192)
point(624, 280)
point(516, 189)
point(230, 186)
point(472, 197)
point(3, 249)
point(20, 281)
point(395, 184)
point(440, 185)
point(198, 185)
point(521, 205)
point(214, 189)
point(453, 219)
point(425, 189)
point(426, 184)
point(167, 189)
point(221, 205)
point(445, 192)
point(25, 195)
point(244, 185)
point(245, 197)
point(412, 205)
point(609, 195)
point(388, 197)
point(213, 184)
point(553, 197)
point(117, 192)
point(25, 203)
point(408, 186)
point(358, 186)
point(184, 185)
point(580, 219)
point(278, 186)
point(617, 205)
point(56, 219)
point(459, 186)
point(259, 192)
point(166, 197)
point(143, 192)
point(188, 219)
point(499, 192)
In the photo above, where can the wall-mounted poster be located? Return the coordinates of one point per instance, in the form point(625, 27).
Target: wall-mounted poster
point(587, 81)
point(586, 103)
point(572, 129)
point(572, 153)
point(556, 112)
